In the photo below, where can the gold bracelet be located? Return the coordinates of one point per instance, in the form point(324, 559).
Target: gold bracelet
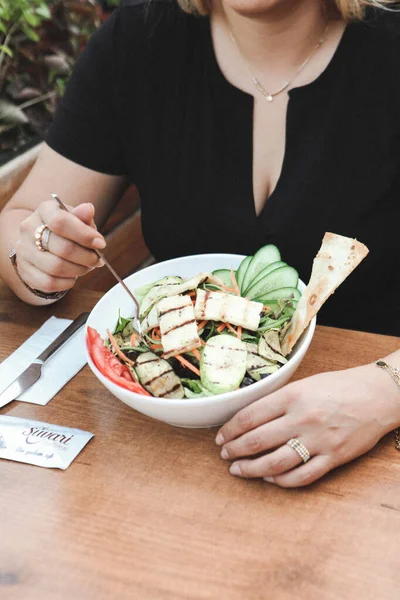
point(394, 372)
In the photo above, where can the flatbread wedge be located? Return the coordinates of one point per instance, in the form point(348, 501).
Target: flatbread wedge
point(336, 259)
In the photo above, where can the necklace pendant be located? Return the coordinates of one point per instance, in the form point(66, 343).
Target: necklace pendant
point(269, 98)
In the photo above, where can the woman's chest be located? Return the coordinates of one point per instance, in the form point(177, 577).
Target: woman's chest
point(205, 159)
point(218, 150)
point(268, 148)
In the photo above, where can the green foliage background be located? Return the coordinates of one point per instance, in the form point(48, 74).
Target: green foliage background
point(39, 44)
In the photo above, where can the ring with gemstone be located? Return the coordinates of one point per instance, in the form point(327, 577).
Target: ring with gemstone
point(42, 234)
point(300, 449)
point(45, 239)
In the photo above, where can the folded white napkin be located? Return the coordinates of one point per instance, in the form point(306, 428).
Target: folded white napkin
point(57, 371)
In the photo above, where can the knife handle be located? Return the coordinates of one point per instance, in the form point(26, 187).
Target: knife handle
point(63, 337)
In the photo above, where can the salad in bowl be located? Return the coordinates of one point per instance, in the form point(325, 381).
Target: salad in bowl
point(215, 340)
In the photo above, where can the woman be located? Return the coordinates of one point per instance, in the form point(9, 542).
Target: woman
point(269, 121)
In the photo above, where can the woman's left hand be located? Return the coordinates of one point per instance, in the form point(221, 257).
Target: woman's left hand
point(337, 416)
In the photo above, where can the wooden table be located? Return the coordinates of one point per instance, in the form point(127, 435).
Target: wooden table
point(149, 511)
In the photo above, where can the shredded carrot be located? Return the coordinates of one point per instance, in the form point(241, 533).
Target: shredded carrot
point(201, 325)
point(229, 326)
point(156, 346)
point(192, 294)
point(155, 333)
point(196, 353)
point(227, 289)
point(134, 338)
point(187, 364)
point(213, 280)
point(238, 333)
point(217, 282)
point(202, 342)
point(235, 283)
point(117, 349)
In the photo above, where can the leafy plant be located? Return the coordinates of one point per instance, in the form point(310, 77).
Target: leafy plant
point(39, 44)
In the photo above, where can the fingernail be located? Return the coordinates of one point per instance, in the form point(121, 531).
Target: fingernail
point(98, 243)
point(224, 453)
point(269, 479)
point(219, 440)
point(235, 470)
point(100, 262)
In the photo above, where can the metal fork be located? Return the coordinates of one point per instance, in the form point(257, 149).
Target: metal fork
point(112, 270)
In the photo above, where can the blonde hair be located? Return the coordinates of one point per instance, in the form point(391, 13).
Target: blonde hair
point(349, 10)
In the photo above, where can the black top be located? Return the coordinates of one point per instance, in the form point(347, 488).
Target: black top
point(148, 100)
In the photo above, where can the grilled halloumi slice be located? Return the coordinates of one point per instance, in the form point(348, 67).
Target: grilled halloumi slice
point(150, 321)
point(161, 288)
point(157, 376)
point(169, 286)
point(177, 325)
point(172, 287)
point(217, 306)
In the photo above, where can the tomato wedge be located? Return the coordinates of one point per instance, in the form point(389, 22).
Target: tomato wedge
point(109, 365)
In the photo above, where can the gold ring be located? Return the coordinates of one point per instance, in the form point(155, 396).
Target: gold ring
point(300, 449)
point(42, 234)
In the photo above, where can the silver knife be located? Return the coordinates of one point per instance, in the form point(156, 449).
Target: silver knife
point(34, 371)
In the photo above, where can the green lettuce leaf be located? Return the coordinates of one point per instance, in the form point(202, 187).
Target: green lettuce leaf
point(194, 389)
point(121, 323)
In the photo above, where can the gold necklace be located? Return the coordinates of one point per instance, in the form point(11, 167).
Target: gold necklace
point(269, 96)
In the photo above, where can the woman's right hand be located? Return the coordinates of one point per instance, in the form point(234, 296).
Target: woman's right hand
point(70, 247)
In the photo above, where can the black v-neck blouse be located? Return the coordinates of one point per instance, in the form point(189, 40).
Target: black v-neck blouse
point(148, 100)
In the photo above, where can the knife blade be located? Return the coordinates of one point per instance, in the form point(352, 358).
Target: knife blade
point(33, 373)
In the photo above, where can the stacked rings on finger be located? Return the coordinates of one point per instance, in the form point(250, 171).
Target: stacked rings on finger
point(42, 235)
point(300, 449)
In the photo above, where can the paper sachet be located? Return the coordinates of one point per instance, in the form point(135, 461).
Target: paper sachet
point(41, 444)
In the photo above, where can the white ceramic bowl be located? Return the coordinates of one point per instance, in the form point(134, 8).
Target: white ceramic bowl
point(202, 412)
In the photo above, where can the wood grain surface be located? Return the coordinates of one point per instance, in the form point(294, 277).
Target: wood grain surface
point(149, 511)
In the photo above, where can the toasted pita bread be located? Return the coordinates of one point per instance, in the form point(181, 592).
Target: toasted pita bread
point(336, 259)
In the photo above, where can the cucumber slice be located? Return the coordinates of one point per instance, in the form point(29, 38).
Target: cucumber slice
point(223, 364)
point(241, 272)
point(285, 292)
point(265, 271)
point(282, 277)
point(262, 258)
point(225, 276)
